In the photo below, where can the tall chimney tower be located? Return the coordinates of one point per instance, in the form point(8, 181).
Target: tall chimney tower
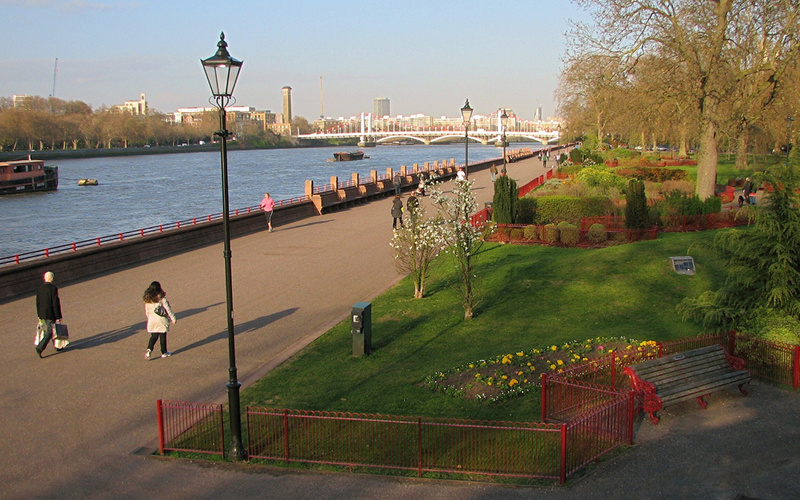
point(287, 104)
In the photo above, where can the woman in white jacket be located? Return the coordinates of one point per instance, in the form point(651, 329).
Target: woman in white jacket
point(159, 315)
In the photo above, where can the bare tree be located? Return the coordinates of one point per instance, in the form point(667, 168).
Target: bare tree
point(704, 37)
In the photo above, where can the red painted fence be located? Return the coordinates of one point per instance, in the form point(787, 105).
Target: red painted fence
point(190, 427)
point(588, 410)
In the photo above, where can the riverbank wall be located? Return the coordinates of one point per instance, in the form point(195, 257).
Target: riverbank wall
point(21, 278)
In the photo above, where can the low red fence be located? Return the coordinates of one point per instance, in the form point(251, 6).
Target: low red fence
point(515, 233)
point(527, 188)
point(190, 427)
point(512, 449)
point(587, 410)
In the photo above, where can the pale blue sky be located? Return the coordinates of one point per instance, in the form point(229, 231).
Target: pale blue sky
point(425, 56)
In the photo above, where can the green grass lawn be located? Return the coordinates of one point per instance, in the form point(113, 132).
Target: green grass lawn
point(531, 297)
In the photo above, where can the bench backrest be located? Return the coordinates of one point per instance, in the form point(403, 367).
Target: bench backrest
point(682, 365)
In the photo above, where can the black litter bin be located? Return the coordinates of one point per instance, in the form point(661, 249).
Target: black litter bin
point(361, 328)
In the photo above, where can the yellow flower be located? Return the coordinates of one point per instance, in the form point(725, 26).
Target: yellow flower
point(554, 348)
point(585, 359)
point(520, 354)
point(488, 383)
point(520, 373)
point(471, 366)
point(504, 377)
point(559, 362)
point(525, 381)
point(513, 382)
point(477, 375)
point(552, 367)
point(533, 368)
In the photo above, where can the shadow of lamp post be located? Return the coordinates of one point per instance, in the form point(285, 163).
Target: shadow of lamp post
point(222, 72)
point(466, 116)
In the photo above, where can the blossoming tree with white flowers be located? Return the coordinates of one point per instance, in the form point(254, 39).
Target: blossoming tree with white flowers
point(416, 246)
point(462, 239)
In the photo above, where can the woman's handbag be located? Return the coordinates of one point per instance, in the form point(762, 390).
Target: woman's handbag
point(161, 310)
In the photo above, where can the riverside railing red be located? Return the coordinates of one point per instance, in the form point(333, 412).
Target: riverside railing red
point(190, 427)
point(514, 449)
point(137, 233)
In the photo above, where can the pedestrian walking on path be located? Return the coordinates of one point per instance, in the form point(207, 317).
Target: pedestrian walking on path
point(267, 205)
point(48, 309)
point(159, 315)
point(397, 211)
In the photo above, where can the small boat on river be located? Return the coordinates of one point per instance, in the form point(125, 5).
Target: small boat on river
point(87, 182)
point(349, 155)
point(24, 176)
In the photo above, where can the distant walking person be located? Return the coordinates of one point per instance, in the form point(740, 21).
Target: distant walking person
point(48, 309)
point(398, 183)
point(493, 171)
point(397, 211)
point(267, 205)
point(159, 315)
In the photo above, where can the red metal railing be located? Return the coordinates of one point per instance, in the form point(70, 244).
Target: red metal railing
point(514, 449)
point(589, 409)
point(137, 233)
point(190, 427)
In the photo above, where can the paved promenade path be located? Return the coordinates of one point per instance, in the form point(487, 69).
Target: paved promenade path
point(71, 422)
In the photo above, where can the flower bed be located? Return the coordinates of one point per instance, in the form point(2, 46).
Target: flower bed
point(511, 375)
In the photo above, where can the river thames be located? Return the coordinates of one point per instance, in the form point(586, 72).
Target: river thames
point(142, 191)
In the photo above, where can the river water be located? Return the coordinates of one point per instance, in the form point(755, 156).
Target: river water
point(142, 191)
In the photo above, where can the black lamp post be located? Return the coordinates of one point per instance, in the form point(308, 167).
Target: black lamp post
point(504, 122)
point(222, 72)
point(466, 116)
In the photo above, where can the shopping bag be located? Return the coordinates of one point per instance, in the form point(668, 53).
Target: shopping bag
point(60, 336)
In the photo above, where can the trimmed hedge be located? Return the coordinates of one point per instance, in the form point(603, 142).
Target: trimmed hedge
point(559, 208)
point(569, 234)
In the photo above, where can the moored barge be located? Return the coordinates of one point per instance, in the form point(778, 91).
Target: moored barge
point(25, 176)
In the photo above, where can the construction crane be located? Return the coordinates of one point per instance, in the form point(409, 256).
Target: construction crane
point(55, 72)
point(321, 101)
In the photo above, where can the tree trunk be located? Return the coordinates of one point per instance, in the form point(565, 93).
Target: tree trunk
point(707, 160)
point(682, 148)
point(741, 149)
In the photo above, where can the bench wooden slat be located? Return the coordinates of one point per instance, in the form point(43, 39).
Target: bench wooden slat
point(687, 375)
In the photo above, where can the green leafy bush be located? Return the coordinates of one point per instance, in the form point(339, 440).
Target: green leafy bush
point(680, 203)
point(597, 233)
point(550, 233)
point(569, 234)
point(516, 234)
point(600, 177)
point(559, 208)
point(531, 232)
point(526, 210)
point(636, 212)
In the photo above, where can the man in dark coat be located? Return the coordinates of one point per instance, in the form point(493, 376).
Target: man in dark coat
point(48, 309)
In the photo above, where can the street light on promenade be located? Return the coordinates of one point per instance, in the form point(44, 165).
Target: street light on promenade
point(222, 72)
point(504, 122)
point(466, 116)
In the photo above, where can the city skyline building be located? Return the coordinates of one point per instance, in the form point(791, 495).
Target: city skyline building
point(287, 104)
point(380, 107)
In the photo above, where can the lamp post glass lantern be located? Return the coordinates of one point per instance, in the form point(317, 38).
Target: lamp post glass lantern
point(222, 71)
point(466, 116)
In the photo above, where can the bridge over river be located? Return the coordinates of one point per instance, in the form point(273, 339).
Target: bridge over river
point(370, 130)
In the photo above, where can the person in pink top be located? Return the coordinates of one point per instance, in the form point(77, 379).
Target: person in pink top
point(267, 205)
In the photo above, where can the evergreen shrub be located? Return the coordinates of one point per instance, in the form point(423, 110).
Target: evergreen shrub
point(531, 232)
point(516, 234)
point(526, 210)
point(597, 233)
point(550, 233)
point(569, 234)
point(558, 208)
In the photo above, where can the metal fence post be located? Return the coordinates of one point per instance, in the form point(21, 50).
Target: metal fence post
point(796, 374)
point(286, 434)
point(419, 447)
point(544, 396)
point(563, 453)
point(160, 417)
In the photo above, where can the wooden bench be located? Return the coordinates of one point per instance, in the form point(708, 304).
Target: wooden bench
point(678, 377)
